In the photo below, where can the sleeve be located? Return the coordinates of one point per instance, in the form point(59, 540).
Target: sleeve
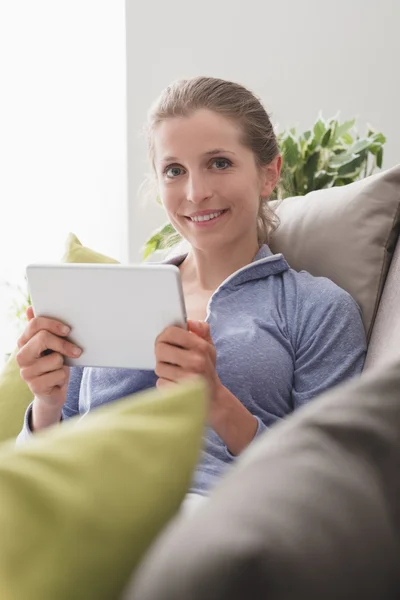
point(331, 343)
point(70, 409)
point(71, 406)
point(261, 427)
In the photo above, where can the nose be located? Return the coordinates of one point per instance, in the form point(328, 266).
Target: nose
point(198, 189)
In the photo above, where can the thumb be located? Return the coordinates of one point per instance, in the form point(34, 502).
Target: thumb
point(200, 328)
point(29, 313)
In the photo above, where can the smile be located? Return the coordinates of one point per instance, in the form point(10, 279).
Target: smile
point(209, 217)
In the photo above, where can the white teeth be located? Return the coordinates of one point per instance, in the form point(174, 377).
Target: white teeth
point(206, 217)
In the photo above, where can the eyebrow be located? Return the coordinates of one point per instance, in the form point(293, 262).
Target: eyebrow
point(208, 153)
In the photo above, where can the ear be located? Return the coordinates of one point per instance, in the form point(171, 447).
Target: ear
point(270, 176)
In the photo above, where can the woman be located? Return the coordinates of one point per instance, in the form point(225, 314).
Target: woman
point(267, 338)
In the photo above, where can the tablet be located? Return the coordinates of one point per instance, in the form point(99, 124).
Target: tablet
point(115, 311)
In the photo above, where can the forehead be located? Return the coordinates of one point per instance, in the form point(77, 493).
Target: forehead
point(196, 134)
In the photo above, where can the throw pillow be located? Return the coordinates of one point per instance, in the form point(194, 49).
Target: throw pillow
point(80, 503)
point(347, 234)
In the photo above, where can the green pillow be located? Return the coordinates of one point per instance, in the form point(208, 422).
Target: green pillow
point(80, 503)
point(76, 253)
point(15, 395)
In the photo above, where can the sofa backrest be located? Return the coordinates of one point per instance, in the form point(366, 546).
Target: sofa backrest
point(384, 343)
point(346, 233)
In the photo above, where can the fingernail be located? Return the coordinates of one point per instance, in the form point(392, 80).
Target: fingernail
point(65, 330)
point(76, 351)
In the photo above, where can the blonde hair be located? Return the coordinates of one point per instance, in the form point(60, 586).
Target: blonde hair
point(233, 101)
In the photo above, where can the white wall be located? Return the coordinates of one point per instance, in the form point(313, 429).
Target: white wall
point(62, 134)
point(300, 57)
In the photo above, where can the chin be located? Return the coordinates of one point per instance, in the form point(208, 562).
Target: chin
point(214, 243)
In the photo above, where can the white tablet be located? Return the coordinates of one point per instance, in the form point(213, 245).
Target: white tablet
point(115, 311)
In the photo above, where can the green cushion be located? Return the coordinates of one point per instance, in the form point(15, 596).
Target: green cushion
point(76, 253)
point(80, 503)
point(15, 395)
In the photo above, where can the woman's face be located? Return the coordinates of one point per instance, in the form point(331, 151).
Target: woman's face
point(209, 182)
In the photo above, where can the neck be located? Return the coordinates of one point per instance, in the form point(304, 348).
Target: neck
point(207, 270)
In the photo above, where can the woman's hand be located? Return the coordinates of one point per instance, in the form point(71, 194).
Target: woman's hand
point(42, 347)
point(182, 353)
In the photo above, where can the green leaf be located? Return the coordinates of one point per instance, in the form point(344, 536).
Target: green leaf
point(319, 130)
point(338, 150)
point(172, 240)
point(379, 158)
point(374, 148)
point(347, 139)
point(299, 185)
point(164, 237)
point(149, 248)
point(343, 181)
point(338, 160)
point(333, 137)
point(310, 147)
point(360, 145)
point(323, 179)
point(326, 137)
point(291, 151)
point(352, 167)
point(310, 168)
point(344, 128)
point(379, 138)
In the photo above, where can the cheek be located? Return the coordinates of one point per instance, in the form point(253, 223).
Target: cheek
point(170, 197)
point(242, 188)
point(245, 197)
point(172, 201)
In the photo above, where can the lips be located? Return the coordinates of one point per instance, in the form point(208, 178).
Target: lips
point(206, 216)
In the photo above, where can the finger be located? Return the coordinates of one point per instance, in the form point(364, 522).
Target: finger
point(44, 384)
point(201, 329)
point(29, 313)
point(171, 354)
point(46, 364)
point(42, 342)
point(196, 364)
point(189, 361)
point(170, 372)
point(164, 382)
point(177, 337)
point(161, 383)
point(42, 323)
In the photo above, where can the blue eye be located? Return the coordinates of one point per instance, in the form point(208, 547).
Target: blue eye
point(172, 172)
point(222, 163)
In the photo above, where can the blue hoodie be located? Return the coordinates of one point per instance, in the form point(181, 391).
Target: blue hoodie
point(282, 337)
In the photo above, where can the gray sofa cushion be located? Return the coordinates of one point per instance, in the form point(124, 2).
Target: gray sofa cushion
point(311, 511)
point(347, 234)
